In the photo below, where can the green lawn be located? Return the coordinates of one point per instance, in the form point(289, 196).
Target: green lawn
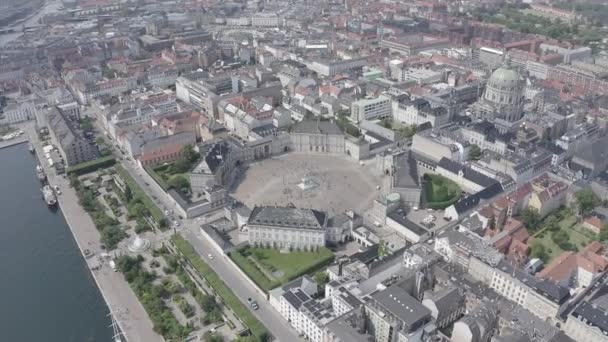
point(567, 222)
point(575, 234)
point(228, 297)
point(163, 173)
point(286, 266)
point(440, 191)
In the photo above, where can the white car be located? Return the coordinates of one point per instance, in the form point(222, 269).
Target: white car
point(210, 256)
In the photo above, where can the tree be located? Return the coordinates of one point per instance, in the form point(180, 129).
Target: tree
point(179, 182)
point(586, 200)
point(137, 209)
point(603, 235)
point(321, 278)
point(128, 194)
point(111, 236)
point(408, 131)
point(538, 251)
point(210, 337)
point(530, 218)
point(207, 303)
point(551, 223)
point(387, 123)
point(181, 165)
point(86, 124)
point(189, 154)
point(475, 152)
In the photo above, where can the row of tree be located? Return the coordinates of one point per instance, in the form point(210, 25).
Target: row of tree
point(152, 298)
point(109, 228)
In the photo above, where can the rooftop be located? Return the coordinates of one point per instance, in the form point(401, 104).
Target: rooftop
point(397, 302)
point(316, 127)
point(288, 217)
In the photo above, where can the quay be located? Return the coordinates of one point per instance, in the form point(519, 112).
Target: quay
point(16, 141)
point(128, 312)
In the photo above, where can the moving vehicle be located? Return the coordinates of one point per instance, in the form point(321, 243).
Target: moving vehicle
point(113, 265)
point(210, 256)
point(252, 303)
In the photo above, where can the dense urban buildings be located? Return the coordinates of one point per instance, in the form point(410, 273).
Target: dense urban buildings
point(357, 171)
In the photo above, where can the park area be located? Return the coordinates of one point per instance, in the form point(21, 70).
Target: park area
point(440, 192)
point(269, 268)
point(175, 175)
point(559, 232)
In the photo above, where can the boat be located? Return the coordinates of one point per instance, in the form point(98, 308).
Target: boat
point(40, 173)
point(49, 195)
point(31, 148)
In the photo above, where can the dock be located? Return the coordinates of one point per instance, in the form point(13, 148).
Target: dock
point(12, 142)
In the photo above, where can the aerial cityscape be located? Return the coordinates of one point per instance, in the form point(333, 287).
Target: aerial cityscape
point(317, 170)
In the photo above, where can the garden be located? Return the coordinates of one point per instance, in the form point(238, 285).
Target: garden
point(228, 297)
point(177, 307)
point(557, 233)
point(269, 268)
point(136, 193)
point(174, 175)
point(440, 192)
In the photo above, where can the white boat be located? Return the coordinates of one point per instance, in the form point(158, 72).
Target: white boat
point(40, 173)
point(31, 148)
point(49, 196)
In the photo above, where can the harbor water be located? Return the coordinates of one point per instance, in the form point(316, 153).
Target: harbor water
point(46, 290)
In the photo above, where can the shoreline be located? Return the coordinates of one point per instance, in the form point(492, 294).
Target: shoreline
point(129, 313)
point(13, 142)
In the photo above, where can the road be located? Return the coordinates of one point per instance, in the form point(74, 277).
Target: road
point(128, 311)
point(189, 228)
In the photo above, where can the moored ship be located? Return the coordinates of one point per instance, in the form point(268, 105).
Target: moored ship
point(31, 148)
point(49, 195)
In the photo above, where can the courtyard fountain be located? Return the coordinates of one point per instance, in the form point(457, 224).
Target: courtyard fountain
point(138, 244)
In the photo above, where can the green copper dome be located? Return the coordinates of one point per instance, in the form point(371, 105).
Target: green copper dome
point(505, 77)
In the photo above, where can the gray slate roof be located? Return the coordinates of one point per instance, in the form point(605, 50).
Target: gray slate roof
point(316, 127)
point(468, 173)
point(396, 301)
point(288, 217)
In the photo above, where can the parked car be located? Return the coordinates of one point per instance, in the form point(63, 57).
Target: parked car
point(252, 303)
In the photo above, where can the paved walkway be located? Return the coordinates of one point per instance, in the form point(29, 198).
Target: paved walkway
point(130, 314)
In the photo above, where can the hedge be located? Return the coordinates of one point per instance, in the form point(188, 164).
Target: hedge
point(91, 166)
point(253, 271)
point(451, 186)
point(157, 178)
point(255, 326)
point(137, 191)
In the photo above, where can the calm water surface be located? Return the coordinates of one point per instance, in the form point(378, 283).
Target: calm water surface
point(47, 293)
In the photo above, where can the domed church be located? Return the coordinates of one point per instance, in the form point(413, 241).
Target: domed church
point(503, 98)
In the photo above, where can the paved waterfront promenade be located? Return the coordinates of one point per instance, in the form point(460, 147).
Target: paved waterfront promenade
point(8, 143)
point(128, 311)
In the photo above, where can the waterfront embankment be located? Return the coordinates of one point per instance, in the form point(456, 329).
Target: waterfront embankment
point(128, 311)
